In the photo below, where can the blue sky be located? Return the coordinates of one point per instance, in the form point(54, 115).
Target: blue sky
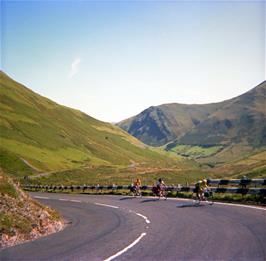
point(113, 59)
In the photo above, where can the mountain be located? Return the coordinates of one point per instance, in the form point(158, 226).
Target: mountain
point(238, 120)
point(46, 143)
point(39, 136)
point(159, 125)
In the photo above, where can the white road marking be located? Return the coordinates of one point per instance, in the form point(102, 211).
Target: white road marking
point(222, 203)
point(239, 205)
point(125, 249)
point(217, 203)
point(146, 219)
point(41, 197)
point(105, 205)
point(63, 199)
point(73, 200)
point(175, 199)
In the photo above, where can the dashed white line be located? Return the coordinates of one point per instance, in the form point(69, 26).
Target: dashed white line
point(146, 219)
point(41, 197)
point(111, 206)
point(73, 200)
point(126, 248)
point(105, 205)
point(175, 199)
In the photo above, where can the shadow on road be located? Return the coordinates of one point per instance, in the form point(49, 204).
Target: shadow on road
point(125, 198)
point(149, 200)
point(185, 205)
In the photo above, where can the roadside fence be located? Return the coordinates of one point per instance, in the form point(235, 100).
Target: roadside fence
point(223, 186)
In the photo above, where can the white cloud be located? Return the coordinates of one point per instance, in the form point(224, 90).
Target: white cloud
point(74, 68)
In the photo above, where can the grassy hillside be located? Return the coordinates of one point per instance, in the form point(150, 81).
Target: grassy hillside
point(195, 152)
point(40, 137)
point(251, 166)
point(44, 142)
point(233, 161)
point(21, 218)
point(124, 176)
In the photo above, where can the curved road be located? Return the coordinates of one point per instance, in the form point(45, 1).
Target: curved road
point(126, 228)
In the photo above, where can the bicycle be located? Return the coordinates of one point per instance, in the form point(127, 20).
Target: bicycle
point(206, 196)
point(135, 191)
point(159, 192)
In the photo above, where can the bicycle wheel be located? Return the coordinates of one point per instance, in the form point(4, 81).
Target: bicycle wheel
point(209, 199)
point(132, 192)
point(165, 194)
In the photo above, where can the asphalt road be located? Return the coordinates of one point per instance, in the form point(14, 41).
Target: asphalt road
point(126, 228)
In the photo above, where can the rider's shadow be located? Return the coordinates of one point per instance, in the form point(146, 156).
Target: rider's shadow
point(186, 205)
point(149, 200)
point(125, 198)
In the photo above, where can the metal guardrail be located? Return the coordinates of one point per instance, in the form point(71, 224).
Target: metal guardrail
point(233, 190)
point(240, 182)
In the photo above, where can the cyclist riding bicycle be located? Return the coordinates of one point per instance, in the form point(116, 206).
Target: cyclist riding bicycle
point(160, 185)
point(200, 187)
point(137, 183)
point(136, 186)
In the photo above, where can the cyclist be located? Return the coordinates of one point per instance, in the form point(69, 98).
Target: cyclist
point(160, 186)
point(136, 186)
point(200, 187)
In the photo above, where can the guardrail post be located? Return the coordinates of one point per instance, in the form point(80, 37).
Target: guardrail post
point(243, 183)
point(84, 188)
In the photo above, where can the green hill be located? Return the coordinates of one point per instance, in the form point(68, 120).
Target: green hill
point(53, 144)
point(39, 136)
point(252, 165)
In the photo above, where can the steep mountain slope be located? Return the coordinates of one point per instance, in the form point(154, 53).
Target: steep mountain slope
point(241, 119)
point(158, 125)
point(39, 135)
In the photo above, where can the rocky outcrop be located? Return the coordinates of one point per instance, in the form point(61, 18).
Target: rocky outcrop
point(22, 218)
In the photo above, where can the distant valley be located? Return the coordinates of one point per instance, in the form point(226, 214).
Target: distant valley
point(46, 143)
point(230, 129)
